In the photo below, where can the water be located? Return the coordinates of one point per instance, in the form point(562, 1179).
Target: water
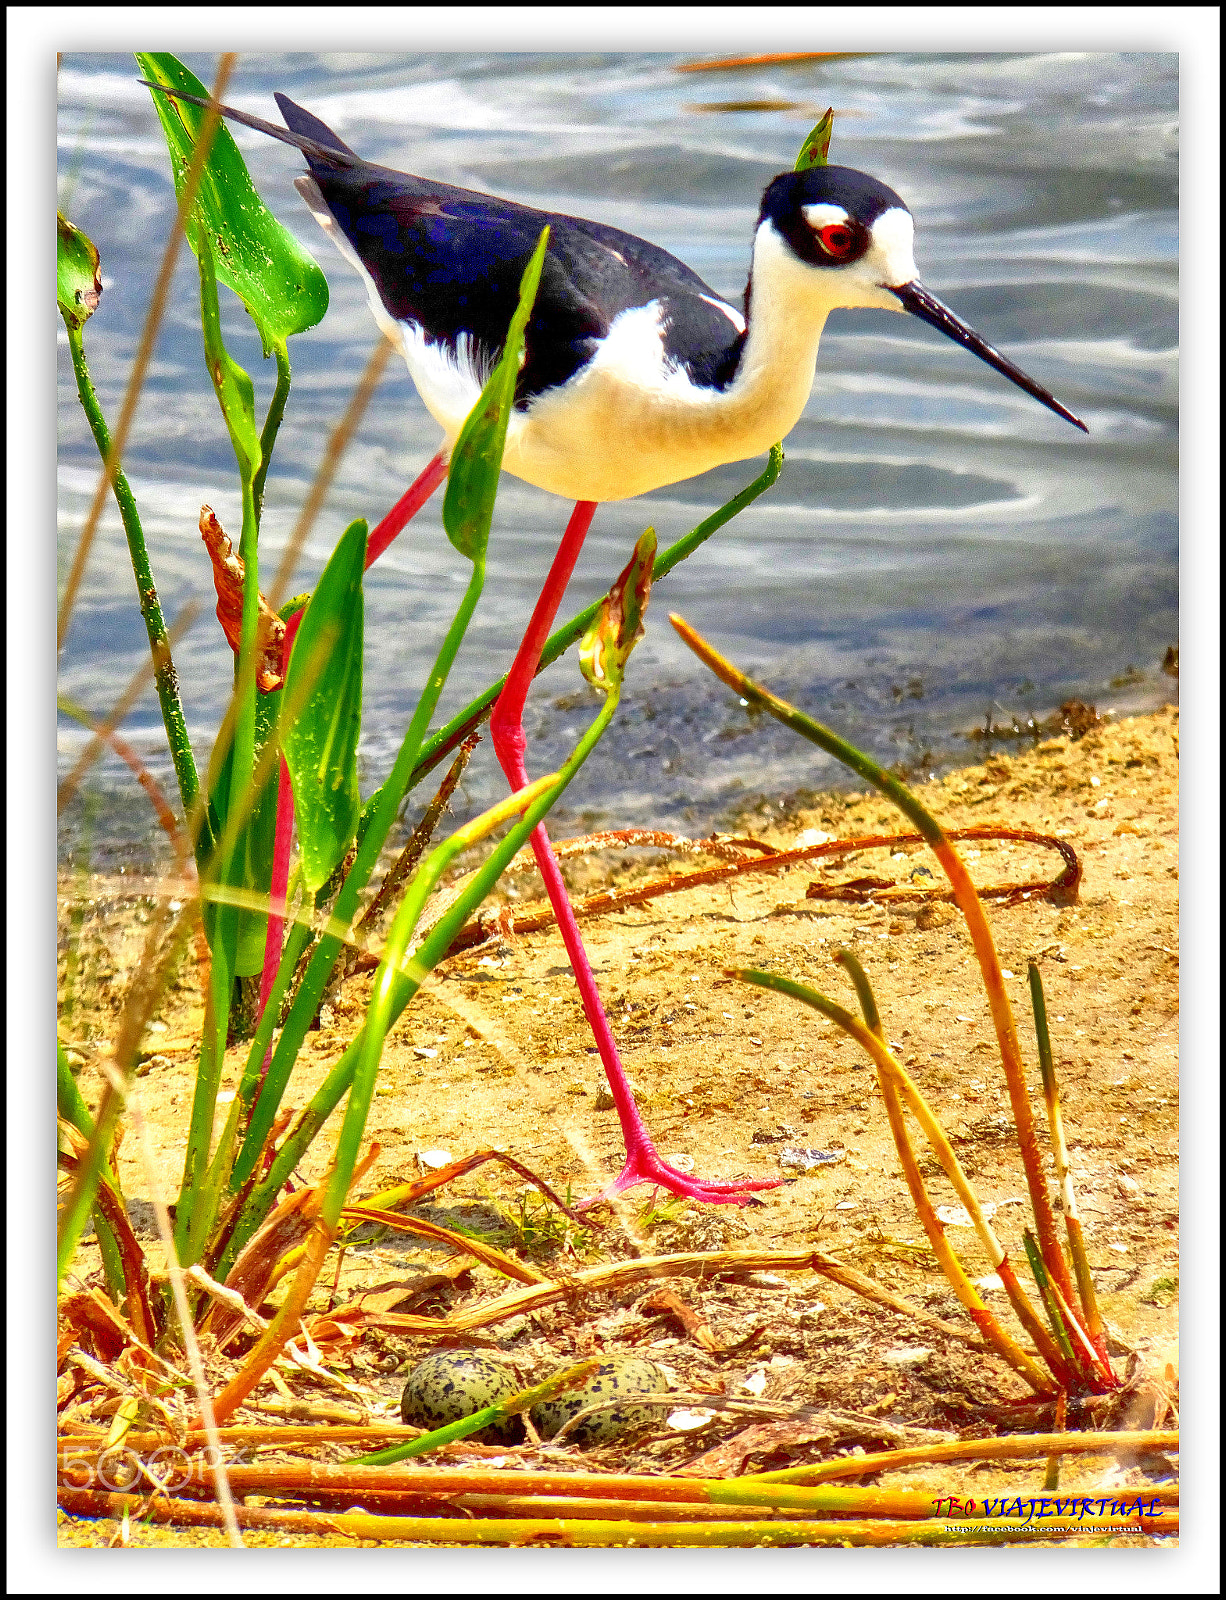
point(938, 545)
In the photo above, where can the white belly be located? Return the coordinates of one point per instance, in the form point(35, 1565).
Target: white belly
point(599, 439)
point(628, 422)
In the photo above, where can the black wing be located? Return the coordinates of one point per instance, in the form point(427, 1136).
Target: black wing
point(451, 259)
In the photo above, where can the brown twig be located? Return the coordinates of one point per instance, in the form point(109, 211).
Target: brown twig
point(726, 63)
point(408, 858)
point(519, 1271)
point(625, 1274)
point(532, 919)
point(1018, 1447)
point(408, 1194)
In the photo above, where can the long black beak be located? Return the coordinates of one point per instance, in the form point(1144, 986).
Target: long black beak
point(917, 300)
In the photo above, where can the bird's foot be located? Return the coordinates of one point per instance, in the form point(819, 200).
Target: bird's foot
point(645, 1165)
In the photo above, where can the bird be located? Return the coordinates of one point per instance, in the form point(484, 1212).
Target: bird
point(635, 375)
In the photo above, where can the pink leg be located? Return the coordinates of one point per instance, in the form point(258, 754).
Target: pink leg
point(409, 504)
point(643, 1163)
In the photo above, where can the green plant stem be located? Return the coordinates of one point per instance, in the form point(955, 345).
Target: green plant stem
point(1068, 1196)
point(165, 676)
point(864, 992)
point(272, 423)
point(378, 1015)
point(887, 1066)
point(69, 1101)
point(947, 1257)
point(72, 1109)
point(319, 968)
point(194, 1216)
point(968, 903)
point(1043, 1278)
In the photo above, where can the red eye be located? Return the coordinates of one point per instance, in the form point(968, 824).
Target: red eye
point(837, 239)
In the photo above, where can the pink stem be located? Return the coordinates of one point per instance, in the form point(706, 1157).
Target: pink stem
point(409, 504)
point(280, 857)
point(643, 1164)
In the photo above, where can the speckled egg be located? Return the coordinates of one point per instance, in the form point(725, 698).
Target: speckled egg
point(620, 1375)
point(451, 1384)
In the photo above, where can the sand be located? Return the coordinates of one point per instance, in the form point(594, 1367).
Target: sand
point(494, 1052)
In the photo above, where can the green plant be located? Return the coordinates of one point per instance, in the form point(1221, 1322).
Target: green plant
point(1074, 1351)
point(539, 1231)
point(286, 752)
point(660, 1211)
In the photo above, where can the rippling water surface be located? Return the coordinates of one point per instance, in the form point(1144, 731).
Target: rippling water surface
point(937, 546)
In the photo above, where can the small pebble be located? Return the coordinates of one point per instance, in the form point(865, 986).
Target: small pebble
point(906, 1356)
point(432, 1160)
point(804, 1159)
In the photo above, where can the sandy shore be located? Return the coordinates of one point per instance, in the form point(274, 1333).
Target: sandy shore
point(494, 1051)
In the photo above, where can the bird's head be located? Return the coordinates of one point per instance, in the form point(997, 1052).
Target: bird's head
point(851, 230)
point(853, 239)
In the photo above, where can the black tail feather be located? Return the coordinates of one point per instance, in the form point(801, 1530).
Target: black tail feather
point(300, 121)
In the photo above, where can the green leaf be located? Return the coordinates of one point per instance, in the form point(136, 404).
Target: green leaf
point(279, 283)
point(78, 273)
point(816, 148)
point(476, 460)
point(235, 391)
point(618, 625)
point(251, 864)
point(322, 698)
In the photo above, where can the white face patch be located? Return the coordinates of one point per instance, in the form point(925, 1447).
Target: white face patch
point(821, 216)
point(893, 248)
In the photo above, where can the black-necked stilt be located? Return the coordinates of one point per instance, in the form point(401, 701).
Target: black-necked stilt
point(635, 375)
